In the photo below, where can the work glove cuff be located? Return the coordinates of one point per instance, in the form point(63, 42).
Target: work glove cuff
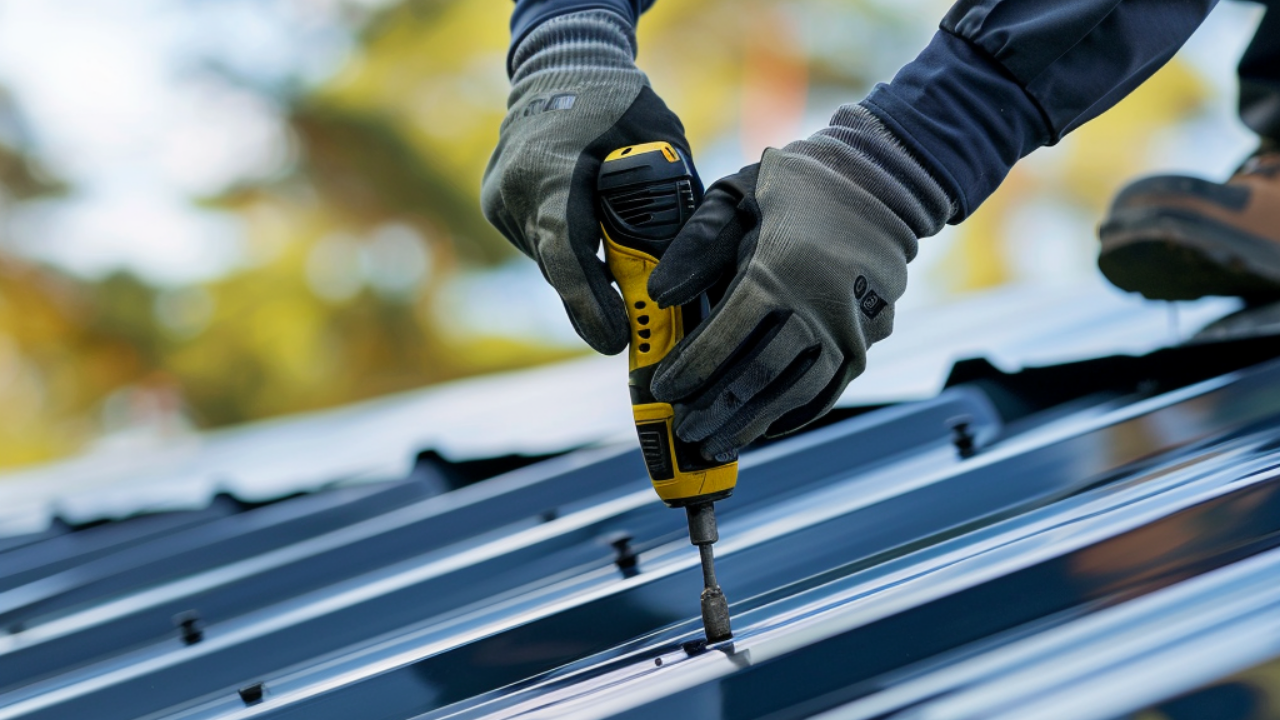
point(592, 44)
point(876, 159)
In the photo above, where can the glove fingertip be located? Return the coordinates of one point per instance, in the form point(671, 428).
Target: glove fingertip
point(611, 334)
point(665, 385)
point(611, 345)
point(725, 457)
point(619, 326)
point(820, 405)
point(660, 390)
point(721, 449)
point(704, 250)
point(668, 288)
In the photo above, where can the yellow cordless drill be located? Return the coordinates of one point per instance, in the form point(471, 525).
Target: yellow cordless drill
point(646, 193)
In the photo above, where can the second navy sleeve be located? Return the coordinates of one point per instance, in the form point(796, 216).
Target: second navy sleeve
point(1004, 77)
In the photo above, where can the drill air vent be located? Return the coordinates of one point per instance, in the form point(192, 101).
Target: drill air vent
point(670, 203)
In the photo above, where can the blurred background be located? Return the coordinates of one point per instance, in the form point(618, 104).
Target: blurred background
point(213, 211)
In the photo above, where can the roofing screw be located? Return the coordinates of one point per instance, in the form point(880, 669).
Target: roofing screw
point(962, 437)
point(626, 558)
point(189, 626)
point(657, 661)
point(549, 515)
point(252, 694)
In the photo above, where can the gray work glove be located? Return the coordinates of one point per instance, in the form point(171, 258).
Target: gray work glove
point(813, 243)
point(576, 96)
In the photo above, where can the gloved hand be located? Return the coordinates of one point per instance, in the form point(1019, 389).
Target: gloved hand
point(814, 243)
point(576, 96)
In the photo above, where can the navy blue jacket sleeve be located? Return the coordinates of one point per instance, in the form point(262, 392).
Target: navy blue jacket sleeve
point(1004, 77)
point(531, 13)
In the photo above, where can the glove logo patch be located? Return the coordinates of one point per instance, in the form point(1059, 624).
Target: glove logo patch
point(559, 101)
point(872, 304)
point(868, 301)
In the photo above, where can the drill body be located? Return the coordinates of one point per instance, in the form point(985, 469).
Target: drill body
point(646, 194)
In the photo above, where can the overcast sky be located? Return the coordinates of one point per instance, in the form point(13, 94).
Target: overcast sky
point(122, 99)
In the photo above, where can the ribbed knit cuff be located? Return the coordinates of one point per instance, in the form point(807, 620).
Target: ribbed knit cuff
point(530, 15)
point(593, 39)
point(898, 178)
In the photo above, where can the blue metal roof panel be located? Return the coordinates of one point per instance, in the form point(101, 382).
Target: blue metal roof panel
point(897, 633)
point(523, 548)
point(872, 570)
point(1225, 619)
point(49, 589)
point(557, 408)
point(764, 555)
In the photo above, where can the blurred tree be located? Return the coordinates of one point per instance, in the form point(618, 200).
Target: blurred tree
point(336, 301)
point(43, 325)
point(349, 248)
point(352, 242)
point(63, 348)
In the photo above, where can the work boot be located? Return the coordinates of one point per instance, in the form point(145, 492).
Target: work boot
point(1179, 238)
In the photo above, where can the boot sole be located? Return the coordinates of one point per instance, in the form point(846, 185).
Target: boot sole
point(1168, 255)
